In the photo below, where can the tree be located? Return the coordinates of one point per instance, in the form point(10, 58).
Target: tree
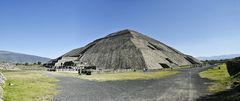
point(39, 63)
point(18, 64)
point(26, 64)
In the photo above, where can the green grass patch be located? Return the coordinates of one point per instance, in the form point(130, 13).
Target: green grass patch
point(29, 86)
point(215, 73)
point(220, 76)
point(128, 76)
point(185, 66)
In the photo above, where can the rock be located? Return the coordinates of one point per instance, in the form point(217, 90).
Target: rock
point(10, 84)
point(1, 93)
point(2, 79)
point(2, 82)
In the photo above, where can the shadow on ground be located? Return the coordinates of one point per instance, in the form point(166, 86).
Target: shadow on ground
point(229, 95)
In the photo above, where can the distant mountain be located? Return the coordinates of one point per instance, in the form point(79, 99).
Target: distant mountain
point(230, 56)
point(21, 58)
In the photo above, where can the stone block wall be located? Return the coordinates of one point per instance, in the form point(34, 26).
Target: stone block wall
point(233, 67)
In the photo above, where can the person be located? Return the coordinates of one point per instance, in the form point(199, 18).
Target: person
point(79, 71)
point(145, 69)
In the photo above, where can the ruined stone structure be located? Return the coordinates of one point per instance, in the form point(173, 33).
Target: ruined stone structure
point(127, 49)
point(2, 82)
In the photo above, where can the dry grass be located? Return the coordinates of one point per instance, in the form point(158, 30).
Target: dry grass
point(29, 86)
point(127, 76)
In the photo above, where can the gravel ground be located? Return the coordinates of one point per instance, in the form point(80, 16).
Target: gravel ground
point(185, 86)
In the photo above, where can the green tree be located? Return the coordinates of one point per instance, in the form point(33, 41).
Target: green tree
point(39, 63)
point(26, 64)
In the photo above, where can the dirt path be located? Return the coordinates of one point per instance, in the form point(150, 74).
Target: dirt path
point(185, 86)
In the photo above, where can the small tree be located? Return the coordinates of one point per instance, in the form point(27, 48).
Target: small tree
point(26, 64)
point(39, 63)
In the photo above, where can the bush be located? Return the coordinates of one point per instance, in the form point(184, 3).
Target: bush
point(39, 63)
point(233, 67)
point(26, 64)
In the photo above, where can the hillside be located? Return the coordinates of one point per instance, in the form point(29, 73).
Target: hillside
point(21, 58)
point(219, 57)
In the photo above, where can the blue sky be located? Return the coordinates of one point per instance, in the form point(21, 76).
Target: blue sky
point(52, 27)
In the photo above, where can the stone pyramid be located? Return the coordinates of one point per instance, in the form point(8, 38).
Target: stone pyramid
point(127, 49)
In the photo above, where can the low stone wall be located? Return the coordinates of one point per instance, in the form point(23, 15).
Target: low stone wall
point(2, 82)
point(233, 67)
point(7, 66)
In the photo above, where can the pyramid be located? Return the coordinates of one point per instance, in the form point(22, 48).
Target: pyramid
point(127, 49)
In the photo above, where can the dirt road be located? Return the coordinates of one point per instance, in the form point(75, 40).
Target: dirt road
point(185, 86)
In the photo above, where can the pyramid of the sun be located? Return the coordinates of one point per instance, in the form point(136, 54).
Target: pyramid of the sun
point(127, 49)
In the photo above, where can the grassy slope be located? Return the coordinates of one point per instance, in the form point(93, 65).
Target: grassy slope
point(220, 76)
point(223, 81)
point(29, 86)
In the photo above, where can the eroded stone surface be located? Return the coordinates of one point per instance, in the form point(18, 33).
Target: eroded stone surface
point(2, 82)
point(127, 49)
